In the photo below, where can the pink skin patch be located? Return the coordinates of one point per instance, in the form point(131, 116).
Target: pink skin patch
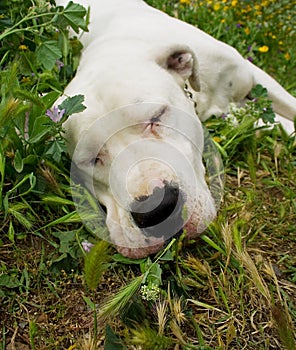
point(155, 183)
point(138, 253)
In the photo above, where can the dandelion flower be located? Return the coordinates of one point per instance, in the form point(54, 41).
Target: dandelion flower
point(263, 49)
point(217, 6)
point(23, 47)
point(287, 56)
point(187, 2)
point(217, 139)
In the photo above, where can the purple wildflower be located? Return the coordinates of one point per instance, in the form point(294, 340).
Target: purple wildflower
point(59, 64)
point(87, 246)
point(250, 59)
point(239, 25)
point(55, 114)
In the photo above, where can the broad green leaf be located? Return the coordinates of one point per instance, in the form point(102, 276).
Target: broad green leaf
point(124, 260)
point(18, 162)
point(40, 129)
point(31, 159)
point(49, 98)
point(112, 341)
point(9, 281)
point(48, 53)
point(154, 275)
point(73, 105)
point(74, 14)
point(259, 91)
point(268, 115)
point(11, 232)
point(152, 271)
point(56, 149)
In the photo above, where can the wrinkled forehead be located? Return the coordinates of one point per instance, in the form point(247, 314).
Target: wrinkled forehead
point(126, 125)
point(130, 82)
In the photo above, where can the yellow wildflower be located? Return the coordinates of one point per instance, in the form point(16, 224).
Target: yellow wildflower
point(217, 6)
point(217, 139)
point(23, 47)
point(287, 56)
point(247, 30)
point(234, 3)
point(263, 48)
point(25, 80)
point(187, 2)
point(223, 20)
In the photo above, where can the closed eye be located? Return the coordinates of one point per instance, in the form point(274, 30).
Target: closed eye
point(96, 160)
point(101, 157)
point(155, 121)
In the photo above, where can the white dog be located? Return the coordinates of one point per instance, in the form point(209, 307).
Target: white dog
point(138, 145)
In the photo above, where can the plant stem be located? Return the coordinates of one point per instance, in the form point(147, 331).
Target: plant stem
point(95, 322)
point(15, 29)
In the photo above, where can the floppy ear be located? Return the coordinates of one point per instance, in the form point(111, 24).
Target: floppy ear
point(181, 61)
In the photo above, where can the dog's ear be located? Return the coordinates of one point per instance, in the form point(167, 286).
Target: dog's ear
point(181, 61)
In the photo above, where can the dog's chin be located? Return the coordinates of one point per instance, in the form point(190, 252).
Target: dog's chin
point(138, 253)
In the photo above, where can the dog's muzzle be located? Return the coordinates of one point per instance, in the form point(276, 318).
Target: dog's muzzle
point(160, 214)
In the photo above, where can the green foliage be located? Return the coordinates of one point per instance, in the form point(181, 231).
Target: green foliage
point(112, 341)
point(148, 339)
point(37, 61)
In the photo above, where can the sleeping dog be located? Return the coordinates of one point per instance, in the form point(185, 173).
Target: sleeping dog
point(138, 145)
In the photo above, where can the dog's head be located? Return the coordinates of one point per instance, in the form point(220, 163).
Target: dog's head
point(138, 147)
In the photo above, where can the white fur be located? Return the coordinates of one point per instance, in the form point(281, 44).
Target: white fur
point(128, 59)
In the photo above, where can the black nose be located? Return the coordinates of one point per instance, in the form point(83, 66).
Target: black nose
point(160, 214)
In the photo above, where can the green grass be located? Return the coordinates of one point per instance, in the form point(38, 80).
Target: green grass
point(235, 288)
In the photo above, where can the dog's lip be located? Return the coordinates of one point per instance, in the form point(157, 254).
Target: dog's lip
point(139, 253)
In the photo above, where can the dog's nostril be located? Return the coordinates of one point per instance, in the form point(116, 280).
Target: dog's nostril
point(159, 214)
point(103, 208)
